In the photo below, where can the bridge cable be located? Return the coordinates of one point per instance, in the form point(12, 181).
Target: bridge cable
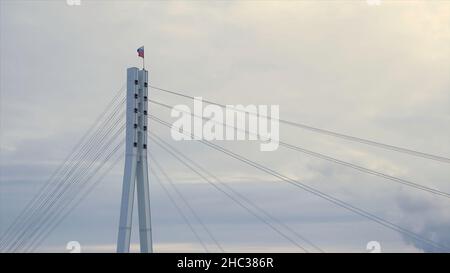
point(47, 214)
point(37, 205)
point(179, 210)
point(159, 168)
point(324, 157)
point(31, 203)
point(328, 132)
point(48, 209)
point(78, 162)
point(37, 242)
point(84, 155)
point(234, 199)
point(236, 193)
point(314, 191)
point(66, 203)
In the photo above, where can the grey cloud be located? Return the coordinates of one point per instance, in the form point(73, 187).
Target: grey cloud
point(374, 72)
point(427, 217)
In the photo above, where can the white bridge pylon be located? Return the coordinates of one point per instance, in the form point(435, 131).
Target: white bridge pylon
point(136, 168)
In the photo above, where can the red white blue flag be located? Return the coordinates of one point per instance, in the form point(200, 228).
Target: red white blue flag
point(140, 52)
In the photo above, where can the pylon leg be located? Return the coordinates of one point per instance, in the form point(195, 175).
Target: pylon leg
point(126, 209)
point(143, 196)
point(131, 154)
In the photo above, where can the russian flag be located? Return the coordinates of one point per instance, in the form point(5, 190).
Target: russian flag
point(140, 52)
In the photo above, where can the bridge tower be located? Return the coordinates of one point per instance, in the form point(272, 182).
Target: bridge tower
point(136, 169)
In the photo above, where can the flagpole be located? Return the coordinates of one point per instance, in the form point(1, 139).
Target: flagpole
point(143, 59)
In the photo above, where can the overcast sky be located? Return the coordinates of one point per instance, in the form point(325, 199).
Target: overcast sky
point(374, 71)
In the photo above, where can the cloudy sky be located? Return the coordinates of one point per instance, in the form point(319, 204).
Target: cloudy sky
point(379, 72)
